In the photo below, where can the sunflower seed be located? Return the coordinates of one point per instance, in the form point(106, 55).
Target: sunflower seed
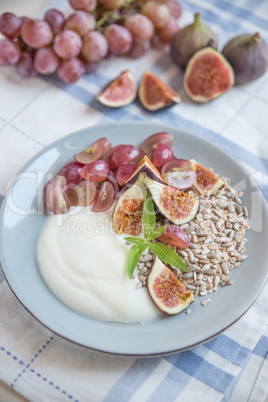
point(147, 258)
point(224, 268)
point(237, 199)
point(245, 211)
point(241, 257)
point(205, 301)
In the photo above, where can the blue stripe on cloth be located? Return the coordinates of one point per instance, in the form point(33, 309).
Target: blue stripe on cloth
point(229, 349)
point(261, 349)
point(1, 275)
point(131, 380)
point(205, 372)
point(166, 391)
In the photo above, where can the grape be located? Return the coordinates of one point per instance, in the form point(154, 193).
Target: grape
point(179, 173)
point(84, 5)
point(173, 234)
point(45, 61)
point(124, 153)
point(55, 19)
point(94, 151)
point(175, 8)
point(157, 13)
point(162, 154)
point(95, 46)
point(67, 44)
point(139, 48)
point(95, 171)
point(80, 22)
point(58, 200)
point(55, 181)
point(10, 25)
point(36, 33)
point(71, 70)
point(166, 33)
point(9, 52)
point(81, 194)
point(25, 66)
point(71, 172)
point(124, 172)
point(119, 39)
point(111, 4)
point(151, 142)
point(140, 27)
point(105, 198)
point(111, 178)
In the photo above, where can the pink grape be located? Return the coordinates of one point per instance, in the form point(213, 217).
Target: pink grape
point(67, 44)
point(25, 66)
point(139, 48)
point(166, 33)
point(55, 19)
point(9, 52)
point(175, 8)
point(36, 33)
point(111, 4)
point(46, 61)
point(119, 39)
point(95, 46)
point(85, 5)
point(157, 13)
point(71, 70)
point(140, 26)
point(10, 25)
point(81, 22)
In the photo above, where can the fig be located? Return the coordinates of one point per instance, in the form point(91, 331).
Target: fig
point(147, 167)
point(166, 291)
point(207, 182)
point(128, 210)
point(175, 205)
point(190, 39)
point(119, 92)
point(207, 76)
point(248, 55)
point(154, 94)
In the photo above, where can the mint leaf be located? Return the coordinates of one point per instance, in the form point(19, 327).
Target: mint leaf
point(148, 216)
point(133, 257)
point(167, 255)
point(156, 233)
point(136, 240)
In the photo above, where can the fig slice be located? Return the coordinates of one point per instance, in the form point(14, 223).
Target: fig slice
point(166, 291)
point(208, 75)
point(207, 183)
point(154, 94)
point(175, 205)
point(119, 92)
point(147, 167)
point(128, 210)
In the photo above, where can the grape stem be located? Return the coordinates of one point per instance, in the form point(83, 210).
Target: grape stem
point(111, 14)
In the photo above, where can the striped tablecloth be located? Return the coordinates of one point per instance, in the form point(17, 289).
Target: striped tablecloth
point(35, 112)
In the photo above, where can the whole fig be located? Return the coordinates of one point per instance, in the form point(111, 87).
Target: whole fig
point(248, 55)
point(190, 39)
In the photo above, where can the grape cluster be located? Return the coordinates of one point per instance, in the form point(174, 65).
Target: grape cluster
point(73, 46)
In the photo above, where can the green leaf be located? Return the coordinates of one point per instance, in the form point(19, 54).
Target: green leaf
point(167, 255)
point(133, 257)
point(156, 233)
point(148, 216)
point(136, 240)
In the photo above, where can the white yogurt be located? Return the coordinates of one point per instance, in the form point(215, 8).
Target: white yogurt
point(83, 262)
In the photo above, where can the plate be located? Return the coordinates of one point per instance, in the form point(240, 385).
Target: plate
point(21, 220)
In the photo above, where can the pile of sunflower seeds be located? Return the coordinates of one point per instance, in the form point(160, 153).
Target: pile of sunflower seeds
point(217, 244)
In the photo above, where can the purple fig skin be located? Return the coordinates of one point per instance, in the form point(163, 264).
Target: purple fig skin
point(248, 55)
point(190, 39)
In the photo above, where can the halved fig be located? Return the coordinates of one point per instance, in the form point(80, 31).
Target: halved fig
point(94, 151)
point(208, 75)
point(179, 173)
point(128, 210)
point(176, 236)
point(154, 94)
point(148, 146)
point(119, 92)
point(166, 291)
point(207, 182)
point(175, 205)
point(146, 166)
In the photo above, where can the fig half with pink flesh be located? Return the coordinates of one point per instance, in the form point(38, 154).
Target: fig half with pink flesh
point(166, 291)
point(207, 182)
point(208, 75)
point(145, 166)
point(119, 92)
